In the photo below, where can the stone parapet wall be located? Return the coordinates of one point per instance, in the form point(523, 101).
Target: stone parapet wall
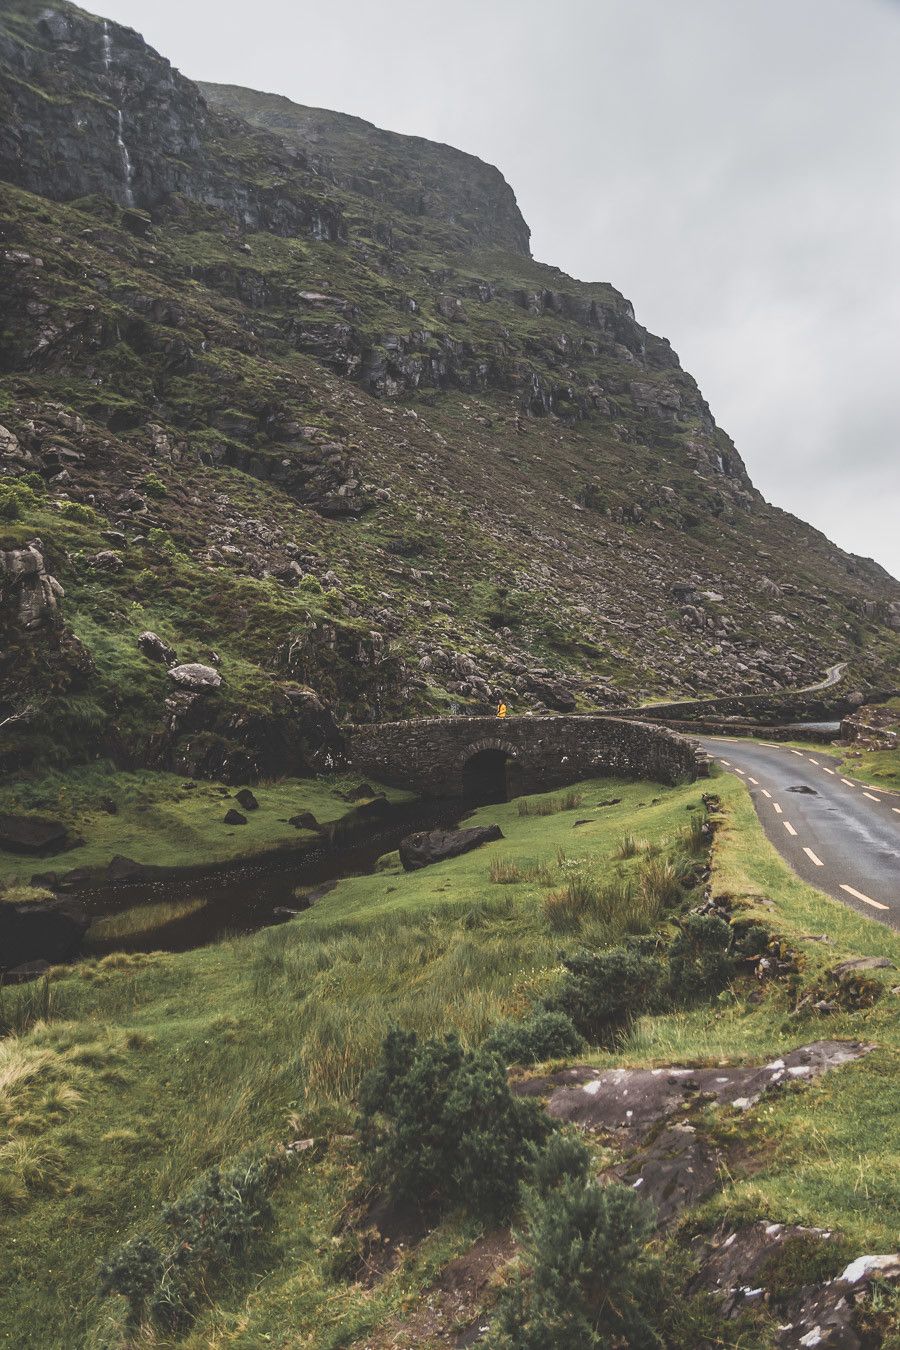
point(429, 755)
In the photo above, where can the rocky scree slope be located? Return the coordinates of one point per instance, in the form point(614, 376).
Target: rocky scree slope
point(285, 396)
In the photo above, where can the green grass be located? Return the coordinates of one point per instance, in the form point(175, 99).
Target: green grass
point(181, 1062)
point(162, 820)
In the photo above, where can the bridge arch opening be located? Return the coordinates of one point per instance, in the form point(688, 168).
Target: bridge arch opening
point(485, 776)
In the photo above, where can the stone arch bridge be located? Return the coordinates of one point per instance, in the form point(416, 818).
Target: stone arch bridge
point(493, 759)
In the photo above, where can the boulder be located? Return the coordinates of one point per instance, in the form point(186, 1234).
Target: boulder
point(362, 792)
point(431, 846)
point(197, 678)
point(245, 798)
point(152, 645)
point(233, 817)
point(40, 931)
point(304, 820)
point(32, 834)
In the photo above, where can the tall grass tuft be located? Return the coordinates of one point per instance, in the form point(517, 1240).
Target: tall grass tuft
point(630, 846)
point(549, 806)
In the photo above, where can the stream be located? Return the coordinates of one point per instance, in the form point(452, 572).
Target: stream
point(244, 896)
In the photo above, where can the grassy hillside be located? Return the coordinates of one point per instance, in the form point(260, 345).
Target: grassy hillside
point(143, 1071)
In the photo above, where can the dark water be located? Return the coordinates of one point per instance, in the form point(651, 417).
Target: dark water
point(243, 898)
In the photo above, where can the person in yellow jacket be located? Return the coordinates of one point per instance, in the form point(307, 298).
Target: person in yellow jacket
point(501, 709)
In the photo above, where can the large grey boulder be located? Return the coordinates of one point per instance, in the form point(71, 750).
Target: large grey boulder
point(431, 846)
point(197, 678)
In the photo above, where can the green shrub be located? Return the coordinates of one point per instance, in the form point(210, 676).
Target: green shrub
point(700, 959)
point(154, 486)
point(440, 1127)
point(563, 1157)
point(78, 511)
point(210, 1227)
point(603, 992)
point(543, 1035)
point(10, 508)
point(589, 1281)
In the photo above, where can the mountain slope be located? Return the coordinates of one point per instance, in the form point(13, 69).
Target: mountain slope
point(291, 393)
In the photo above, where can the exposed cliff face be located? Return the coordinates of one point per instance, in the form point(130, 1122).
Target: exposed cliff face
point(405, 174)
point(90, 108)
point(309, 407)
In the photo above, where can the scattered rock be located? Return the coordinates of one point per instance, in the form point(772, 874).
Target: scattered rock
point(632, 1101)
point(121, 868)
point(431, 846)
point(233, 817)
point(678, 1169)
point(861, 963)
point(245, 798)
point(152, 645)
point(40, 931)
point(304, 820)
point(197, 678)
point(32, 834)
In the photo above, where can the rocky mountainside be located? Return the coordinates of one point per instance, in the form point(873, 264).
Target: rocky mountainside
point(286, 397)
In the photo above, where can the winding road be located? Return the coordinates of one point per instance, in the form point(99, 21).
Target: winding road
point(838, 834)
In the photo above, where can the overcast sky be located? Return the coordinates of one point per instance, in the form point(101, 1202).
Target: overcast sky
point(732, 166)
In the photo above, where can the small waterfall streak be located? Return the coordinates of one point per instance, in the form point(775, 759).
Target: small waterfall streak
point(127, 166)
point(107, 46)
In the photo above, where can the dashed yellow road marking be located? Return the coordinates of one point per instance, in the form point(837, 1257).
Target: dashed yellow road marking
point(812, 857)
point(867, 899)
point(789, 827)
point(871, 797)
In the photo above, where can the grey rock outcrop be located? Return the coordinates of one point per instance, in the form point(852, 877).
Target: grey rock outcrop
point(33, 592)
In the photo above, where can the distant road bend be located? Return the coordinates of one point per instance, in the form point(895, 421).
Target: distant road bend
point(838, 834)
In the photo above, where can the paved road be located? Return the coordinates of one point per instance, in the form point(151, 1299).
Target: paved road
point(842, 835)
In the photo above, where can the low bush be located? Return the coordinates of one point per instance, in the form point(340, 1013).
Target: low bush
point(588, 1282)
point(701, 961)
point(603, 992)
point(210, 1227)
point(440, 1127)
point(543, 1035)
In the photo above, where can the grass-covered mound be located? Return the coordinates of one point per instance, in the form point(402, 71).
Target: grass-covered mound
point(144, 1072)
